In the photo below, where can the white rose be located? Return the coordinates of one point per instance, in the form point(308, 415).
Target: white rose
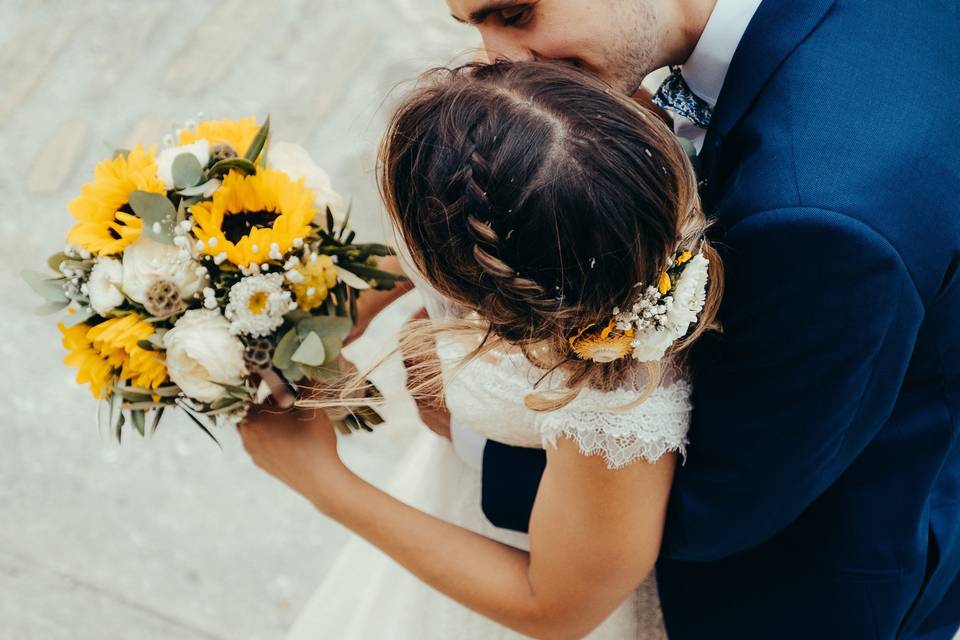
point(146, 261)
point(200, 349)
point(106, 277)
point(199, 149)
point(296, 162)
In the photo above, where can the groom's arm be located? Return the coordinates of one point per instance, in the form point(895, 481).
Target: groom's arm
point(820, 317)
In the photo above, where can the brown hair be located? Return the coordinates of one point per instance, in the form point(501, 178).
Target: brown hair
point(537, 196)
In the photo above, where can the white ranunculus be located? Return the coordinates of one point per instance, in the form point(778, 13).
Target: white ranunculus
point(106, 278)
point(200, 150)
point(296, 162)
point(201, 349)
point(146, 261)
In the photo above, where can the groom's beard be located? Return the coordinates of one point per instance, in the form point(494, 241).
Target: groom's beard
point(636, 46)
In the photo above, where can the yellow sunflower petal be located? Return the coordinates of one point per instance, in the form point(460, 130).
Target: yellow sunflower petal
point(257, 211)
point(236, 133)
point(104, 224)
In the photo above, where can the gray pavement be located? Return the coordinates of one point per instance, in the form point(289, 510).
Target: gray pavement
point(167, 538)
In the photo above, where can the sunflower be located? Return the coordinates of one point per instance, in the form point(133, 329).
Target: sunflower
point(92, 367)
point(254, 218)
point(238, 134)
point(108, 352)
point(319, 275)
point(105, 222)
point(602, 346)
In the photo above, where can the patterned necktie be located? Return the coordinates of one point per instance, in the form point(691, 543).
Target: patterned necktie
point(674, 94)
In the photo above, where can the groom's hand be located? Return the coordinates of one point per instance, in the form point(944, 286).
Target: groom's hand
point(433, 413)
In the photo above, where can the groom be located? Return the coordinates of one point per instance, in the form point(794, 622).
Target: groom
point(821, 497)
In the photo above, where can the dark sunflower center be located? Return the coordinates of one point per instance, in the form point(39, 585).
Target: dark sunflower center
point(113, 232)
point(238, 225)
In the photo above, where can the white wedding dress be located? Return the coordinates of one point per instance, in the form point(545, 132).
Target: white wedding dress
point(366, 596)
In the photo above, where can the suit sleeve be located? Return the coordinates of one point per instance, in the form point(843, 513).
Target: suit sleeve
point(820, 316)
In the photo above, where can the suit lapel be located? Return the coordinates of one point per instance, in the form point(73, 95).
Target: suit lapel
point(777, 28)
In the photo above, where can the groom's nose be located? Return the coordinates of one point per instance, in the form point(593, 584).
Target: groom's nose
point(499, 45)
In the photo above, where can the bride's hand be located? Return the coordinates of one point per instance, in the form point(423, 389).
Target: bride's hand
point(297, 446)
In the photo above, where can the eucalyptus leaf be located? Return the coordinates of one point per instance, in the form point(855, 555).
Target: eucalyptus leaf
point(50, 308)
point(330, 221)
point(139, 421)
point(146, 345)
point(155, 209)
point(325, 326)
point(186, 171)
point(206, 189)
point(51, 289)
point(285, 348)
point(311, 351)
point(292, 372)
point(320, 374)
point(332, 345)
point(259, 140)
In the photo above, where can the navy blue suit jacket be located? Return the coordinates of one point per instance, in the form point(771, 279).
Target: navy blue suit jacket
point(821, 494)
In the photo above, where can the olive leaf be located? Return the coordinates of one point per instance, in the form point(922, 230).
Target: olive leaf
point(157, 414)
point(234, 390)
point(186, 171)
point(351, 279)
point(259, 140)
point(346, 220)
point(240, 164)
point(116, 415)
point(56, 260)
point(139, 420)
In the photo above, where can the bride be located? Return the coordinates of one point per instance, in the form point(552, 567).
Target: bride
point(560, 222)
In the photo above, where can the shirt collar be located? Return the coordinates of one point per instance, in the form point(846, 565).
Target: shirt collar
point(706, 69)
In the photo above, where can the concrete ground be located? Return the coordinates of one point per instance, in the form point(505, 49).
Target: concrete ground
point(168, 538)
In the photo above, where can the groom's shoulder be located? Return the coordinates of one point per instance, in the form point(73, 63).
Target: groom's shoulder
point(860, 119)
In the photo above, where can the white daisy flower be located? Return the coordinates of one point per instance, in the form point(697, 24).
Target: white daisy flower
point(257, 304)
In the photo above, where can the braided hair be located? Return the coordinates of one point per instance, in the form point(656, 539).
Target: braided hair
point(535, 195)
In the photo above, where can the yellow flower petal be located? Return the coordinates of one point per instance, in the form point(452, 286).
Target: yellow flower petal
point(665, 284)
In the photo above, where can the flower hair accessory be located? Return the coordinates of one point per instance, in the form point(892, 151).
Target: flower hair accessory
point(658, 317)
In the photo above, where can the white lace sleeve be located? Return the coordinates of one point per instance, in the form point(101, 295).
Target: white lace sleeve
point(653, 428)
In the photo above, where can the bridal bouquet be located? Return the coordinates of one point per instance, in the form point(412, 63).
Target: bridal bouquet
point(207, 277)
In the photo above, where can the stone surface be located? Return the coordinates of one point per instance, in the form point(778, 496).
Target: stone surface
point(170, 537)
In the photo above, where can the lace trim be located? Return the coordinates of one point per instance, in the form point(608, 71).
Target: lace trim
point(593, 420)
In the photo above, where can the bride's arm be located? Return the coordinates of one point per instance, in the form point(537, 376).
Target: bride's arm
point(594, 532)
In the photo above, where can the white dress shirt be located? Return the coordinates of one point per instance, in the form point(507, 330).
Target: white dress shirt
point(706, 69)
